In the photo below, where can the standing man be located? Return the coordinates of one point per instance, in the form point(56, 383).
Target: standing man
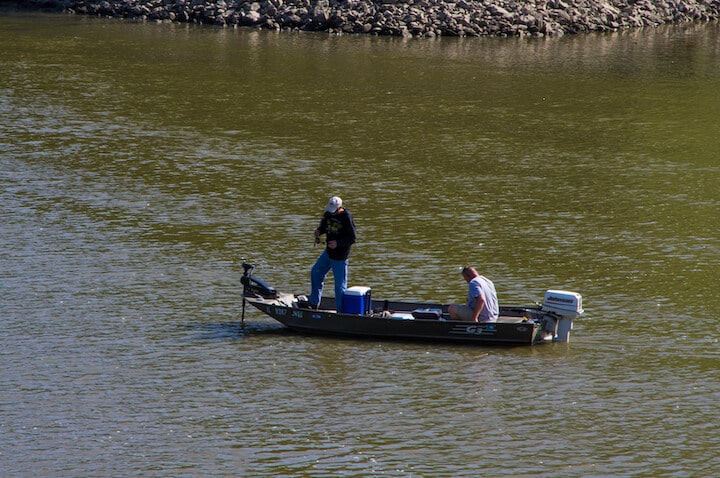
point(482, 303)
point(339, 227)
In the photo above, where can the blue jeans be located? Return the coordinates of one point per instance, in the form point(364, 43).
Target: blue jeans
point(317, 279)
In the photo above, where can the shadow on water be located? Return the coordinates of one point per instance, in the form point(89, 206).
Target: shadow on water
point(230, 331)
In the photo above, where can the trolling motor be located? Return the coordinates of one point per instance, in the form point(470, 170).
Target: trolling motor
point(254, 286)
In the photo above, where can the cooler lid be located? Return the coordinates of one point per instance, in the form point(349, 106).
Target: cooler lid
point(357, 290)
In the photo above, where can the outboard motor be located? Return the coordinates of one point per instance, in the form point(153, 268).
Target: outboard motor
point(255, 287)
point(562, 307)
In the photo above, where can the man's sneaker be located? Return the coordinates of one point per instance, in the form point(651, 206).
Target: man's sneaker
point(303, 303)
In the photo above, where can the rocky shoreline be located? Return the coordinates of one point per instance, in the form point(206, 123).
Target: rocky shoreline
point(407, 18)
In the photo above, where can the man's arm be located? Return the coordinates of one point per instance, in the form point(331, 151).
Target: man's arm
point(349, 233)
point(322, 227)
point(479, 304)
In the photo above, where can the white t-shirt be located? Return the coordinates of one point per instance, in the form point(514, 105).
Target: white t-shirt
point(483, 287)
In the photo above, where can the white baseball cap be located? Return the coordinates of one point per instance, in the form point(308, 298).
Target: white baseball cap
point(333, 204)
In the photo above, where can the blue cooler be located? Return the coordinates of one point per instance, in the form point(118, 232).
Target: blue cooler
point(356, 300)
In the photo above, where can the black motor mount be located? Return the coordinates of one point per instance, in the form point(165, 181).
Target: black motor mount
point(254, 286)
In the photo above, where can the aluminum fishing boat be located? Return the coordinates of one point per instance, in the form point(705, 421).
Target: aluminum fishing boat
point(362, 316)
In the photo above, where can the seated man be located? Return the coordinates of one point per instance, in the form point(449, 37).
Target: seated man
point(482, 303)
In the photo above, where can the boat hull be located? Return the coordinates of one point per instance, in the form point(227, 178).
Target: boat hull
point(514, 330)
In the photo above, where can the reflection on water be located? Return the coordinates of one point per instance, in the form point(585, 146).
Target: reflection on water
point(141, 162)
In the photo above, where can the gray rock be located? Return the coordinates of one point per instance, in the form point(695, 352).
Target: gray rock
point(420, 18)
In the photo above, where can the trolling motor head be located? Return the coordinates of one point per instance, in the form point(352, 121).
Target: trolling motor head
point(254, 286)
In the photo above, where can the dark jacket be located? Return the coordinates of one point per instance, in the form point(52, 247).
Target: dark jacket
point(341, 228)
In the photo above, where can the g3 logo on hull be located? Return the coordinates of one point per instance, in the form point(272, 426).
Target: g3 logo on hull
point(480, 329)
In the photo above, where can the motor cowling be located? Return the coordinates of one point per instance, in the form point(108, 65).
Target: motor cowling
point(562, 307)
